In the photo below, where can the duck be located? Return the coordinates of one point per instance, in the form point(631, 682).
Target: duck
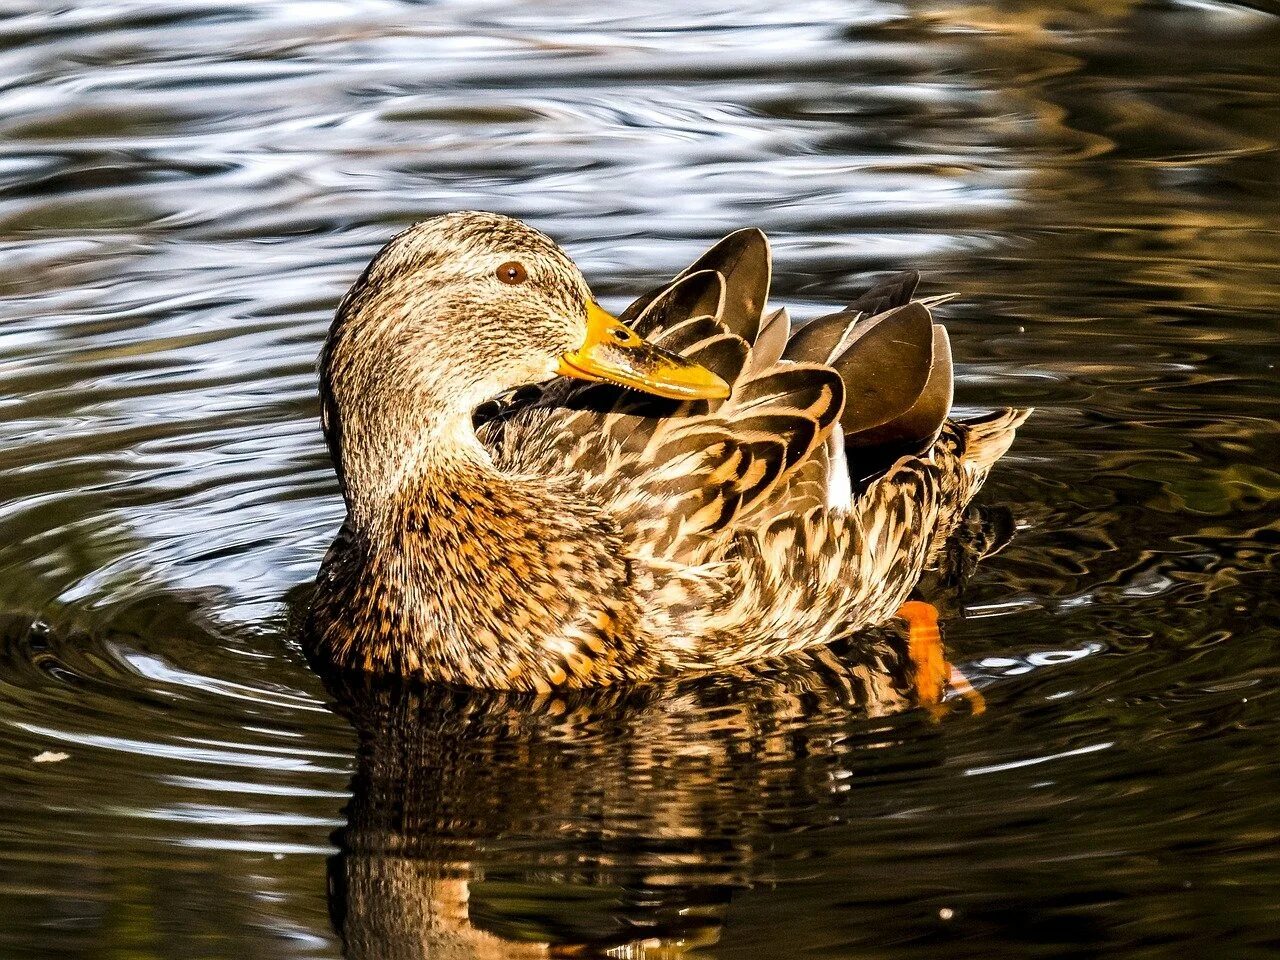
point(542, 495)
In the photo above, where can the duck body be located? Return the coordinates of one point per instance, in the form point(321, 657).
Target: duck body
point(487, 583)
point(511, 528)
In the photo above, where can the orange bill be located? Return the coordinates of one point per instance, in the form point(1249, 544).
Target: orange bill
point(615, 353)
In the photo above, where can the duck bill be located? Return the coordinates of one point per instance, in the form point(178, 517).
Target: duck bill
point(614, 353)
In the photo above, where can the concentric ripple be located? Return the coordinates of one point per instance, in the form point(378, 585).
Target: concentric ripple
point(188, 186)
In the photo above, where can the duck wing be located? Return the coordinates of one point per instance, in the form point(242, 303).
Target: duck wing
point(679, 477)
point(867, 387)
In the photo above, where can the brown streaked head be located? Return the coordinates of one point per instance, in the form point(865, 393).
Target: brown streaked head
point(454, 311)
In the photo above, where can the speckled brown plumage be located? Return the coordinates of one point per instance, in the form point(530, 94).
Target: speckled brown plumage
point(575, 534)
point(476, 571)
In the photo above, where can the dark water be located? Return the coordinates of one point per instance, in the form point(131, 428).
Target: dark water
point(188, 187)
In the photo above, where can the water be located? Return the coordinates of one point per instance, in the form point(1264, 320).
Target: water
point(189, 186)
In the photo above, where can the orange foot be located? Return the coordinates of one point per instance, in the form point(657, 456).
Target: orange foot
point(932, 672)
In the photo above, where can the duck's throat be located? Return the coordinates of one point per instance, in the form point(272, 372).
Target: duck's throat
point(393, 447)
point(475, 577)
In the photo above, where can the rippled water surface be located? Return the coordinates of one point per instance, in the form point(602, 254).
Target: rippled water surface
point(187, 187)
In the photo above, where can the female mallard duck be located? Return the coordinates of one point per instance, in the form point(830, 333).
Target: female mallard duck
point(689, 506)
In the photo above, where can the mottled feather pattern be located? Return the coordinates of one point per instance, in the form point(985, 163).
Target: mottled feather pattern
point(596, 534)
point(966, 451)
point(733, 500)
point(474, 629)
point(671, 472)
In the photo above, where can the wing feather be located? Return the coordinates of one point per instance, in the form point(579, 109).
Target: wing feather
point(689, 481)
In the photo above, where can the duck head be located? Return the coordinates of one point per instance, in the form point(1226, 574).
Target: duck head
point(455, 311)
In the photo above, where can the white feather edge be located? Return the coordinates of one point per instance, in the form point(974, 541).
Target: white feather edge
point(839, 484)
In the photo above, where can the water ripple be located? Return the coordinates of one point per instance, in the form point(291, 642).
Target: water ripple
point(186, 189)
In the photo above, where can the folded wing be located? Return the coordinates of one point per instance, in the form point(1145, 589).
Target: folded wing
point(825, 418)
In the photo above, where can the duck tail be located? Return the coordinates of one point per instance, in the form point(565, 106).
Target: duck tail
point(965, 453)
point(987, 438)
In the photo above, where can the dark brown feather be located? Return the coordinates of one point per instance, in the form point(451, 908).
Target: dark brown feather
point(892, 291)
point(885, 365)
point(692, 294)
point(915, 429)
point(744, 262)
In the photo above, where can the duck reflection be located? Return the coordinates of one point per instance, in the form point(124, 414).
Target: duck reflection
point(613, 823)
point(608, 822)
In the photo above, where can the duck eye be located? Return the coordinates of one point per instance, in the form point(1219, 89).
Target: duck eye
point(512, 272)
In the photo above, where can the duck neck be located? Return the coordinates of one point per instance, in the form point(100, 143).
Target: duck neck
point(446, 485)
point(459, 571)
point(397, 451)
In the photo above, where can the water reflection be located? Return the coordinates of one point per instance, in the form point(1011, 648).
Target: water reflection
point(506, 826)
point(493, 824)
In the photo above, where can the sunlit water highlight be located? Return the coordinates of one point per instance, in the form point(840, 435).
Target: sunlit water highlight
point(186, 188)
